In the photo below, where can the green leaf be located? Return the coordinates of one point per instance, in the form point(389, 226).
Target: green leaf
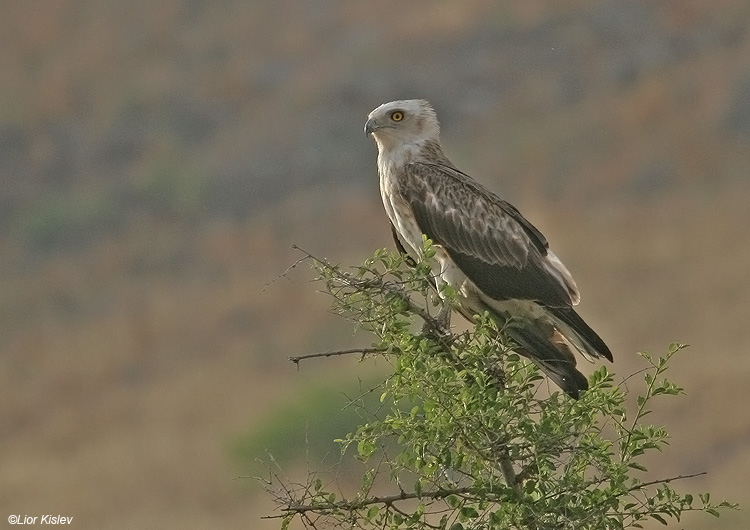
point(495, 518)
point(366, 448)
point(468, 512)
point(454, 501)
point(372, 513)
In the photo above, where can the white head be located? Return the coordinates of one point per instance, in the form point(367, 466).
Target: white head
point(400, 123)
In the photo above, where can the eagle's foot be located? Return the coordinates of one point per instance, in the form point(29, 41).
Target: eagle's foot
point(497, 374)
point(438, 329)
point(440, 325)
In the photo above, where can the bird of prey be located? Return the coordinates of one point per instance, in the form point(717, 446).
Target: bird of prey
point(492, 257)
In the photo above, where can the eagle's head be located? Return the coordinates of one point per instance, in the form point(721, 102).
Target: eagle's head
point(406, 122)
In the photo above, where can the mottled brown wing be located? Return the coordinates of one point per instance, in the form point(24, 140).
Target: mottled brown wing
point(492, 243)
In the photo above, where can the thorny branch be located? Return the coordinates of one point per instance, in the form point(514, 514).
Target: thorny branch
point(386, 500)
point(284, 274)
point(335, 353)
point(317, 507)
point(434, 325)
point(642, 485)
point(389, 500)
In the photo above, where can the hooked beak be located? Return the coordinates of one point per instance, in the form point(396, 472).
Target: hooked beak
point(371, 126)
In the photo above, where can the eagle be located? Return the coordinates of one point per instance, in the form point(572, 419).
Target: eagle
point(494, 259)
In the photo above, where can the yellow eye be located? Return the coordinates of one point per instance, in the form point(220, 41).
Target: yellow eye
point(397, 115)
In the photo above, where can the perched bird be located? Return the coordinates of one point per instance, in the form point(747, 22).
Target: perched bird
point(492, 257)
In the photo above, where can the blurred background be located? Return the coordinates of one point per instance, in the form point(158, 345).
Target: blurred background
point(159, 159)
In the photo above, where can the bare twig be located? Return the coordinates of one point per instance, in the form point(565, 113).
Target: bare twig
point(286, 272)
point(386, 500)
point(433, 324)
point(664, 481)
point(335, 353)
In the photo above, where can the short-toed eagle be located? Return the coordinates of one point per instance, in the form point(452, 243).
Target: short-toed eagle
point(493, 258)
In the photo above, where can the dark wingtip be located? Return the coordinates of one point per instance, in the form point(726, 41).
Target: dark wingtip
point(574, 383)
point(569, 316)
point(603, 350)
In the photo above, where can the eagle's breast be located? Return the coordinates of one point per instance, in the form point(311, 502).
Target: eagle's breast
point(391, 164)
point(402, 216)
point(399, 211)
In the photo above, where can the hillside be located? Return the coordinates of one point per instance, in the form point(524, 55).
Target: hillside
point(158, 160)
